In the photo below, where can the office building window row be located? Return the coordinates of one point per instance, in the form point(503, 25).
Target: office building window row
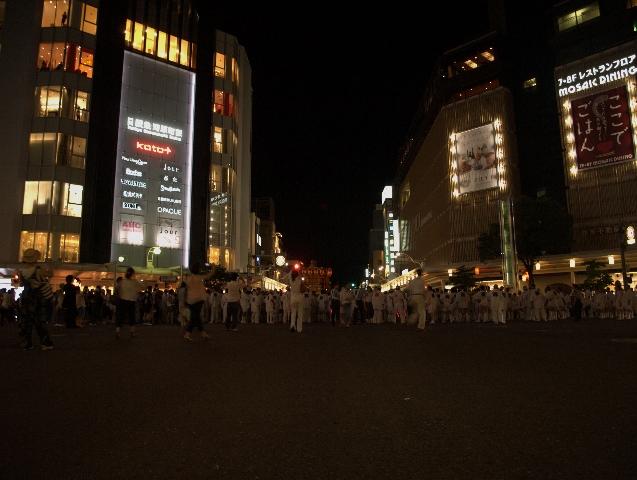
point(160, 44)
point(50, 197)
point(57, 149)
point(66, 56)
point(58, 101)
point(470, 92)
point(71, 13)
point(57, 246)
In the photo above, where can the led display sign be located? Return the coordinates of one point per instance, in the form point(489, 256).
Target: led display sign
point(152, 201)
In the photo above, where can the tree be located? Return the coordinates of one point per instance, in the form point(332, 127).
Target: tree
point(463, 278)
point(220, 277)
point(596, 278)
point(542, 227)
point(489, 243)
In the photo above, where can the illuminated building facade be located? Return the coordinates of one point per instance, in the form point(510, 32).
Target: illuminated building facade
point(100, 140)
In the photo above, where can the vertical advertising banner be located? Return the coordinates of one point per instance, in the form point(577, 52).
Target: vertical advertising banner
point(602, 129)
point(507, 238)
point(154, 163)
point(476, 163)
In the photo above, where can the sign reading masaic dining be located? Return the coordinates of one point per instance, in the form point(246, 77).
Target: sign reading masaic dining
point(602, 128)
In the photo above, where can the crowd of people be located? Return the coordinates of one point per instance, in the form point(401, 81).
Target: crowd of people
point(192, 305)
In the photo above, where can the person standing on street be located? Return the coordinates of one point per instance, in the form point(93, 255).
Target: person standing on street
point(195, 297)
point(69, 306)
point(233, 289)
point(126, 292)
point(417, 311)
point(31, 311)
point(346, 299)
point(335, 303)
point(296, 302)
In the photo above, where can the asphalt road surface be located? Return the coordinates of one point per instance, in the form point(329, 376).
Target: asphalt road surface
point(524, 400)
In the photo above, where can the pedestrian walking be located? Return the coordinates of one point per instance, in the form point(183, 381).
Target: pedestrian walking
point(296, 302)
point(36, 290)
point(195, 297)
point(126, 292)
point(417, 311)
point(233, 290)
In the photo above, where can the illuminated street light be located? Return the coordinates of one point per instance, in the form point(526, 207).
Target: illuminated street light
point(150, 257)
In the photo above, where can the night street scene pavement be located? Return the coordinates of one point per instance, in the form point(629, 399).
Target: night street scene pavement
point(520, 400)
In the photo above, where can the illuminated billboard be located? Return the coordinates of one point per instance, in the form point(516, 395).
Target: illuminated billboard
point(476, 160)
point(602, 128)
point(152, 194)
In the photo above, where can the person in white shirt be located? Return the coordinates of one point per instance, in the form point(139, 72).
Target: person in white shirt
point(285, 300)
point(224, 306)
point(245, 305)
point(400, 304)
point(254, 306)
point(417, 312)
point(269, 307)
point(126, 291)
point(296, 301)
point(378, 303)
point(346, 299)
point(233, 298)
point(195, 298)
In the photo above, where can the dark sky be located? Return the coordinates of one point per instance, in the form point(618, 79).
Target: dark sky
point(335, 90)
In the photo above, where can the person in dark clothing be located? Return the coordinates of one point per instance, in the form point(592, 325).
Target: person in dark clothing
point(576, 311)
point(69, 306)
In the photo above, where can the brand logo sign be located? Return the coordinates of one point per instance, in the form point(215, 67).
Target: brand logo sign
point(154, 129)
point(150, 147)
point(600, 75)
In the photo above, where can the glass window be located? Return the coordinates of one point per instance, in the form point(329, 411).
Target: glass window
point(48, 101)
point(37, 240)
point(578, 17)
point(218, 102)
point(90, 20)
point(173, 54)
point(218, 141)
point(78, 153)
point(151, 39)
point(37, 198)
point(72, 61)
point(81, 105)
point(162, 45)
point(530, 83)
point(220, 65)
point(193, 56)
point(128, 35)
point(184, 53)
point(138, 36)
point(631, 3)
point(51, 56)
point(67, 199)
point(86, 62)
point(69, 247)
point(55, 13)
point(235, 71)
point(2, 7)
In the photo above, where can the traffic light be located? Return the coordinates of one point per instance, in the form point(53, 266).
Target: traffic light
point(16, 279)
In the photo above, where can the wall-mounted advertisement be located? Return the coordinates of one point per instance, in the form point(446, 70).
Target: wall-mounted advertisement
point(476, 162)
point(154, 163)
point(602, 128)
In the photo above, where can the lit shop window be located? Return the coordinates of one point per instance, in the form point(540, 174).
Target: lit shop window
point(69, 247)
point(159, 44)
point(223, 103)
point(183, 53)
point(220, 65)
point(37, 240)
point(62, 101)
point(57, 148)
point(530, 83)
point(67, 199)
point(37, 198)
point(578, 17)
point(470, 62)
point(162, 45)
point(218, 140)
point(214, 255)
point(69, 57)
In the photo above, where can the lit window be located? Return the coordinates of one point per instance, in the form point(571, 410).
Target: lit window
point(151, 38)
point(404, 196)
point(67, 199)
point(86, 62)
point(127, 33)
point(173, 53)
point(80, 106)
point(183, 54)
point(69, 247)
point(55, 13)
point(162, 45)
point(61, 149)
point(235, 71)
point(138, 36)
point(220, 65)
point(51, 56)
point(48, 101)
point(193, 56)
point(37, 198)
point(90, 20)
point(631, 3)
point(530, 83)
point(218, 142)
point(578, 17)
point(218, 102)
point(37, 240)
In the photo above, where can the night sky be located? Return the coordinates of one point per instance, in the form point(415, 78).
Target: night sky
point(335, 91)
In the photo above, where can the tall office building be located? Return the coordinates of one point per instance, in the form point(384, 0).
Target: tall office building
point(126, 127)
